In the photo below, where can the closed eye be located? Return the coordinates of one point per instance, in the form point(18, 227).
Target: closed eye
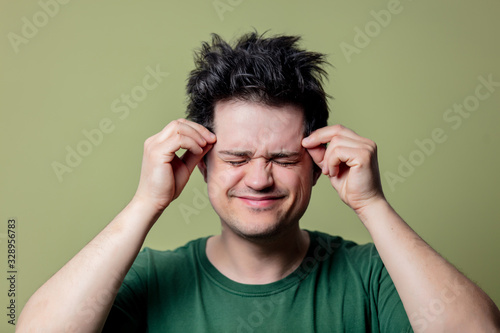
point(236, 163)
point(284, 163)
point(278, 162)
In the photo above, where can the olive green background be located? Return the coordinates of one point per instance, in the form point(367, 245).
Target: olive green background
point(395, 90)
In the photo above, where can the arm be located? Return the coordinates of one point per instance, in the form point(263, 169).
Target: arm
point(424, 280)
point(79, 296)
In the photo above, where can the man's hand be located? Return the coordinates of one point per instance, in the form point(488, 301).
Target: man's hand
point(350, 161)
point(100, 267)
point(163, 173)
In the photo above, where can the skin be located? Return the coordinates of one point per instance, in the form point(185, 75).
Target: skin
point(259, 183)
point(260, 203)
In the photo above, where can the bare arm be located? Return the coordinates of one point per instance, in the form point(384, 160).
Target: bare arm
point(436, 296)
point(79, 296)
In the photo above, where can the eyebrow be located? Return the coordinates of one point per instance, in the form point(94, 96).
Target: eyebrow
point(245, 153)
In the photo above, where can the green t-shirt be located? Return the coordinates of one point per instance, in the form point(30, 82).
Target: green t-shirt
point(339, 287)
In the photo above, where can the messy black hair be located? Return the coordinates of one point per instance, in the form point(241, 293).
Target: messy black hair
point(269, 70)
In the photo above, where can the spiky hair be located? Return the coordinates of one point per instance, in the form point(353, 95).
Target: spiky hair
point(270, 70)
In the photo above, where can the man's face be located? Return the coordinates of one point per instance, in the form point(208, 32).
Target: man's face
point(258, 174)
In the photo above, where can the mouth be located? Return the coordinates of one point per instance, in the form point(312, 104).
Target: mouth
point(260, 201)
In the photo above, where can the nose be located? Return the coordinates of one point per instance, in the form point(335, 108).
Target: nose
point(259, 175)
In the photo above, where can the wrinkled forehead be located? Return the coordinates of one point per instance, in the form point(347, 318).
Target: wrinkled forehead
point(254, 126)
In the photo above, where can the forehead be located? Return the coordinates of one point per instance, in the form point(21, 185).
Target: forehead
point(250, 125)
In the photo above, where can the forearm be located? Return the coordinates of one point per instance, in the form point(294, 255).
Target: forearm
point(436, 296)
point(79, 296)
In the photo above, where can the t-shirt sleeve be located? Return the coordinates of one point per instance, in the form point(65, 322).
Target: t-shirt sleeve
point(128, 313)
point(392, 315)
point(387, 308)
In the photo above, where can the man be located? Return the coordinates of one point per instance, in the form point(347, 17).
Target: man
point(258, 133)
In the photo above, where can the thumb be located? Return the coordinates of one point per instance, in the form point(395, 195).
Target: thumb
point(191, 160)
point(317, 154)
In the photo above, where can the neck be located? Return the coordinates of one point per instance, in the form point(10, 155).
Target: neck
point(257, 261)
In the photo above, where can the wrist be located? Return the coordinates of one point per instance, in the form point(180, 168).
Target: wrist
point(148, 205)
point(143, 211)
point(373, 210)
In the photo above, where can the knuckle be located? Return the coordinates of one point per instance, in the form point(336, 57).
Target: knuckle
point(334, 141)
point(179, 122)
point(148, 142)
point(372, 146)
point(178, 138)
point(366, 155)
point(333, 150)
point(176, 123)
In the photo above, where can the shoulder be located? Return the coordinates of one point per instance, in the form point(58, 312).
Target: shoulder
point(357, 271)
point(338, 252)
point(182, 251)
point(352, 265)
point(339, 246)
point(184, 257)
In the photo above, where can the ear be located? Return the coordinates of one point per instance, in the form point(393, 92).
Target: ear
point(316, 174)
point(202, 166)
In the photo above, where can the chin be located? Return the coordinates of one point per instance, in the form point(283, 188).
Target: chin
point(259, 233)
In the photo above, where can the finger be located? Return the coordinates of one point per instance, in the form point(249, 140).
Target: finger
point(331, 160)
point(341, 154)
point(317, 154)
point(188, 143)
point(191, 160)
point(168, 149)
point(346, 141)
point(325, 134)
point(182, 127)
point(320, 153)
point(331, 167)
point(209, 136)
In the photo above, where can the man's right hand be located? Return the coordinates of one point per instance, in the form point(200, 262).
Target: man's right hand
point(163, 173)
point(100, 267)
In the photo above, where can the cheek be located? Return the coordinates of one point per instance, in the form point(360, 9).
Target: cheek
point(299, 180)
point(221, 178)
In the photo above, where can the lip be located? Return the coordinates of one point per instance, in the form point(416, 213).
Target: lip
point(260, 202)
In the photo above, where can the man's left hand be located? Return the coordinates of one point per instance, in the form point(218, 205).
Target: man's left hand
point(350, 162)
